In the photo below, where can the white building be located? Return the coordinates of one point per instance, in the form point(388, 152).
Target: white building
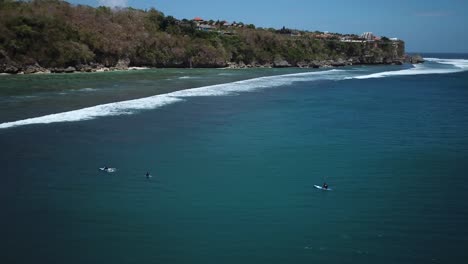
point(368, 36)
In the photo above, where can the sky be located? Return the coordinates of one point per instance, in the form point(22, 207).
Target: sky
point(425, 25)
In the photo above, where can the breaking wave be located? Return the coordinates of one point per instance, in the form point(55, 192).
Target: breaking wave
point(458, 65)
point(435, 66)
point(156, 101)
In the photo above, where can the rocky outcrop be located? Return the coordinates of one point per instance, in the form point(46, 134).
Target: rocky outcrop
point(8, 66)
point(236, 65)
point(35, 68)
point(414, 59)
point(69, 69)
point(122, 64)
point(84, 68)
point(281, 63)
point(8, 69)
point(338, 63)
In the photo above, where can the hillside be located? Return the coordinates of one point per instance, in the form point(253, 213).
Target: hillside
point(61, 37)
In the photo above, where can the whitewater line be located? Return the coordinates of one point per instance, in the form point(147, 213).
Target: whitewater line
point(156, 101)
point(459, 65)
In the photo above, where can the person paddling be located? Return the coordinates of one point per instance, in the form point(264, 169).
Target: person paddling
point(325, 186)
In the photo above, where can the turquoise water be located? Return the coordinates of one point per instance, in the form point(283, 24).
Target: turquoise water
point(233, 171)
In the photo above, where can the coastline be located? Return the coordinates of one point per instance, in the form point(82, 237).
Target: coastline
point(123, 65)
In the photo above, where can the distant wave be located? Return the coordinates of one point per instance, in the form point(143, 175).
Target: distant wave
point(86, 90)
point(81, 90)
point(459, 65)
point(226, 74)
point(111, 109)
point(156, 101)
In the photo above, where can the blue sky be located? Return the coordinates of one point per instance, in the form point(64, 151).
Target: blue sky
point(425, 25)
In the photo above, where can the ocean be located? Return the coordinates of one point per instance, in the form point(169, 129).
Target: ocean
point(234, 156)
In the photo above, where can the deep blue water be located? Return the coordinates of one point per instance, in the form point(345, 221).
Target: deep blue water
point(233, 176)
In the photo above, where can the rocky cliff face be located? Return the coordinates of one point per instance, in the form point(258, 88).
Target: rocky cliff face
point(369, 54)
point(56, 36)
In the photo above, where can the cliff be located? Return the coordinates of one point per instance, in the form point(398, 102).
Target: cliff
point(55, 36)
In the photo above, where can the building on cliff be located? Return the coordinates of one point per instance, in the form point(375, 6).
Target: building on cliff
point(368, 36)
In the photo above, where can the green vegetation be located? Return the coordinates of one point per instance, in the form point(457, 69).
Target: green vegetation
point(54, 33)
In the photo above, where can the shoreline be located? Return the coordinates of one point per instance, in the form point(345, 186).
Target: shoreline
point(97, 68)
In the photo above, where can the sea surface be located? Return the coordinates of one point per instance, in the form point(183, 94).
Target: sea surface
point(234, 156)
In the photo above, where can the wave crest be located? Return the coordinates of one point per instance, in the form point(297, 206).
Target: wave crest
point(156, 101)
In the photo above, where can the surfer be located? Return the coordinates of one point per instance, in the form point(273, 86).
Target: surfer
point(106, 168)
point(325, 186)
point(147, 175)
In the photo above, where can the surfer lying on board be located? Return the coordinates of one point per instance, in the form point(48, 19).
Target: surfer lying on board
point(325, 185)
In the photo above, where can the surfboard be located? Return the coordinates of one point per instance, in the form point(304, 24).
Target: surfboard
point(108, 169)
point(321, 188)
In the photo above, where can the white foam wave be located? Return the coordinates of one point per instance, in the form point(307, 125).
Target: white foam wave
point(459, 65)
point(138, 68)
point(257, 83)
point(152, 102)
point(111, 109)
point(86, 90)
point(225, 74)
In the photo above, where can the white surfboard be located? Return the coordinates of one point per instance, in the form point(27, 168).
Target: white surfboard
point(321, 188)
point(108, 169)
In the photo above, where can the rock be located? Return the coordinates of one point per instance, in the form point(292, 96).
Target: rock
point(281, 63)
point(84, 68)
point(95, 65)
point(302, 64)
point(415, 59)
point(234, 65)
point(9, 69)
point(338, 63)
point(57, 70)
point(34, 68)
point(122, 64)
point(70, 69)
point(315, 64)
